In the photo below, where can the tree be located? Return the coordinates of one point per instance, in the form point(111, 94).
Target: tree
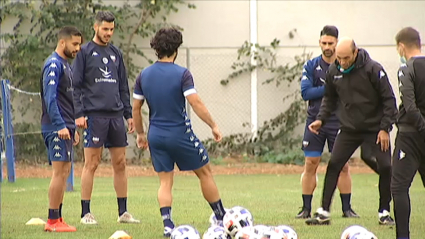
point(28, 48)
point(275, 139)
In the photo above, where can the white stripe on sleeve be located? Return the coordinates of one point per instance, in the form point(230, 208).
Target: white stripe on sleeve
point(138, 97)
point(189, 92)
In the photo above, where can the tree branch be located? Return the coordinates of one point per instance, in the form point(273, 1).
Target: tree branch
point(145, 14)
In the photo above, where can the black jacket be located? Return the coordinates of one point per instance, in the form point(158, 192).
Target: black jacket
point(411, 78)
point(365, 96)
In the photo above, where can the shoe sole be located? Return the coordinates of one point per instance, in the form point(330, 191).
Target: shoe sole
point(318, 223)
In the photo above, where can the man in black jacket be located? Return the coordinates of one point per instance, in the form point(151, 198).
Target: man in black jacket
point(367, 110)
point(409, 152)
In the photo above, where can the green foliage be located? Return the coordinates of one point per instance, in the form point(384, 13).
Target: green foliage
point(275, 137)
point(36, 23)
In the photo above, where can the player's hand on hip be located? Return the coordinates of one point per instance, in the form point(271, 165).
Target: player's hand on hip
point(315, 126)
point(384, 140)
point(76, 138)
point(81, 122)
point(142, 142)
point(64, 134)
point(130, 124)
point(217, 134)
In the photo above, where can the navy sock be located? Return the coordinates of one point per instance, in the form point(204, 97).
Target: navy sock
point(122, 205)
point(85, 207)
point(346, 201)
point(60, 211)
point(53, 214)
point(218, 210)
point(307, 201)
point(166, 217)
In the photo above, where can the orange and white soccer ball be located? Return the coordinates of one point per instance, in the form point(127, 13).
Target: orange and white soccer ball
point(237, 218)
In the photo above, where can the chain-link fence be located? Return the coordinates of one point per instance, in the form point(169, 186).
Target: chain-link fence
point(230, 105)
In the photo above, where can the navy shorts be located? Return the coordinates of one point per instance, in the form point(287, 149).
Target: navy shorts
point(107, 132)
point(313, 144)
point(177, 146)
point(57, 148)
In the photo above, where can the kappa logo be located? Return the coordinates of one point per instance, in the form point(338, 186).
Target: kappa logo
point(52, 82)
point(58, 155)
point(95, 140)
point(56, 139)
point(52, 73)
point(113, 58)
point(401, 155)
point(381, 74)
point(305, 143)
point(57, 147)
point(53, 65)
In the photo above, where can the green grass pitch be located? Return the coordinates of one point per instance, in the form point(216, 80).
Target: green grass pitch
point(272, 199)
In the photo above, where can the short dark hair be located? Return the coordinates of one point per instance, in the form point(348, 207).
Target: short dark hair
point(166, 41)
point(409, 37)
point(68, 32)
point(329, 30)
point(104, 16)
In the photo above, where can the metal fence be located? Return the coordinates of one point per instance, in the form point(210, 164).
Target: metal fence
point(231, 105)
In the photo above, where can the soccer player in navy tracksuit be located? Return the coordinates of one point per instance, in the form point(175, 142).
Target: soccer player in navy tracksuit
point(312, 90)
point(102, 101)
point(409, 152)
point(165, 86)
point(57, 121)
point(367, 109)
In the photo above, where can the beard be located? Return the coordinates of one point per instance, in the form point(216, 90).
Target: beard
point(328, 53)
point(103, 40)
point(68, 53)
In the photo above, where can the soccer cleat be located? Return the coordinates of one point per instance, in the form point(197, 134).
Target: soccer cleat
point(303, 214)
point(350, 214)
point(318, 219)
point(88, 219)
point(386, 220)
point(58, 226)
point(127, 218)
point(167, 231)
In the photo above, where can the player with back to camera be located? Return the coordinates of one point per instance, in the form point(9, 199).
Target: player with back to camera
point(165, 86)
point(312, 90)
point(102, 100)
point(367, 111)
point(409, 152)
point(57, 121)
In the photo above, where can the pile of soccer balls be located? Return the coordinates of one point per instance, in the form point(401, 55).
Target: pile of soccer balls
point(238, 223)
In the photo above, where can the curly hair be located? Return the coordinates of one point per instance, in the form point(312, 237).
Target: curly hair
point(166, 41)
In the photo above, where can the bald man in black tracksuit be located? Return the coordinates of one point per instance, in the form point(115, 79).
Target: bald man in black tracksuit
point(367, 112)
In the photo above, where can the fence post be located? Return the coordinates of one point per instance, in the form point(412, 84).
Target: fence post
point(8, 130)
point(254, 38)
